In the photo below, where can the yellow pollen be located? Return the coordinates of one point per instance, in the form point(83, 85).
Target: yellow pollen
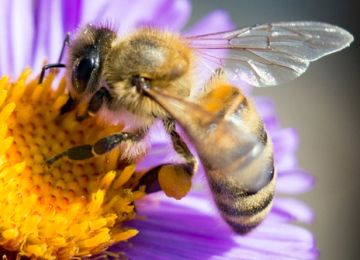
point(214, 101)
point(68, 209)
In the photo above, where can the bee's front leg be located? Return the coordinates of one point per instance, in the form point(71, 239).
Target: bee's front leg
point(97, 100)
point(173, 179)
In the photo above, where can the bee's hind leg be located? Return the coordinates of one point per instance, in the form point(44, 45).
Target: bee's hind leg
point(173, 179)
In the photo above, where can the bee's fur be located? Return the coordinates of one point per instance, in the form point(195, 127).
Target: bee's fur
point(149, 74)
point(165, 62)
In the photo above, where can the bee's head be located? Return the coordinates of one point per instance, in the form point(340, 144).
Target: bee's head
point(86, 56)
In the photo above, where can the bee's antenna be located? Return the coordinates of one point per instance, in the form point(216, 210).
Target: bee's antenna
point(58, 64)
point(65, 43)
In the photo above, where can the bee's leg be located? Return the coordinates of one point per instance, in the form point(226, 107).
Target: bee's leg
point(100, 147)
point(95, 103)
point(68, 106)
point(181, 148)
point(58, 64)
point(173, 179)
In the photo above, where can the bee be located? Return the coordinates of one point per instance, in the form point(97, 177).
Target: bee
point(148, 75)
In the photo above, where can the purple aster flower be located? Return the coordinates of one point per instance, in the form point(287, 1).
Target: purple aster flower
point(190, 228)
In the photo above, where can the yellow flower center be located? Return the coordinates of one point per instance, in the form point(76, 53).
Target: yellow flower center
point(70, 208)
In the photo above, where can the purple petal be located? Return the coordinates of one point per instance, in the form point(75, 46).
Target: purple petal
point(171, 15)
point(293, 209)
point(216, 21)
point(124, 14)
point(241, 253)
point(285, 140)
point(285, 162)
point(192, 237)
point(5, 42)
point(279, 241)
point(266, 109)
point(160, 153)
point(294, 182)
point(49, 32)
point(21, 34)
point(71, 14)
point(17, 27)
point(279, 216)
point(128, 14)
point(173, 230)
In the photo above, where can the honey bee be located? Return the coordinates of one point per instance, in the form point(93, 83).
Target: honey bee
point(149, 75)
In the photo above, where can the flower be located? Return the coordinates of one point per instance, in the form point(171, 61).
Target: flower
point(72, 208)
point(168, 229)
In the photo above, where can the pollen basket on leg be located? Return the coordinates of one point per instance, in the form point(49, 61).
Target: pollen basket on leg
point(71, 208)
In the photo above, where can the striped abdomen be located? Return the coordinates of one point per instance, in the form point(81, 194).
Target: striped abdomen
point(241, 207)
point(240, 167)
point(233, 146)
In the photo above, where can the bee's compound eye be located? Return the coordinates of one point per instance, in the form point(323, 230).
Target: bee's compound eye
point(82, 72)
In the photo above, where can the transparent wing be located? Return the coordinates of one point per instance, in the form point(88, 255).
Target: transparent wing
point(270, 54)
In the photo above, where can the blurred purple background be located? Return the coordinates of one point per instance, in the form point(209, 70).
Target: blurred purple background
point(323, 105)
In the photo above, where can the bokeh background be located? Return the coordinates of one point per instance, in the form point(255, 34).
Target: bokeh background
point(323, 105)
